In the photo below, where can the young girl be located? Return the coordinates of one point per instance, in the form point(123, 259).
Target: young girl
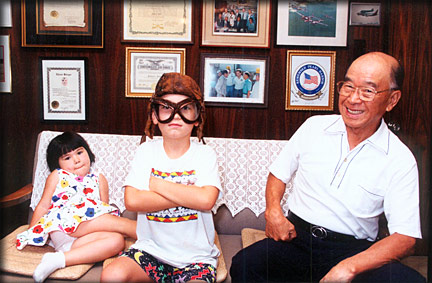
point(74, 211)
point(173, 184)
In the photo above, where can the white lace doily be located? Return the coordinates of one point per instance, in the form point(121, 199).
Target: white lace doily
point(243, 167)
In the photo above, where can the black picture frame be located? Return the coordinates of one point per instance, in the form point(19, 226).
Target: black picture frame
point(255, 65)
point(60, 64)
point(34, 36)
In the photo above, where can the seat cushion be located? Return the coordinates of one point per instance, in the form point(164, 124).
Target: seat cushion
point(24, 262)
point(250, 236)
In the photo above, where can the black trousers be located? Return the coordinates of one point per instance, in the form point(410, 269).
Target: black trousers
point(308, 259)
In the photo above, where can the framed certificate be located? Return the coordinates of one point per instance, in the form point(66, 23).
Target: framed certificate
point(77, 23)
point(5, 64)
point(310, 80)
point(64, 89)
point(145, 66)
point(155, 20)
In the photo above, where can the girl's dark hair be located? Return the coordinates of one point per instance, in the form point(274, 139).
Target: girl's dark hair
point(63, 144)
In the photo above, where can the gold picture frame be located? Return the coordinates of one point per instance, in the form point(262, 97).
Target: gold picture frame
point(212, 36)
point(310, 80)
point(144, 67)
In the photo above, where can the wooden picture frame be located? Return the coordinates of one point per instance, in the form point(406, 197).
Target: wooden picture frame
point(158, 21)
point(45, 24)
point(310, 80)
point(145, 66)
point(5, 65)
point(312, 23)
point(215, 87)
point(64, 87)
point(213, 36)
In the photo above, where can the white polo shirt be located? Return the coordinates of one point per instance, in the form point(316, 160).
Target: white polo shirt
point(346, 190)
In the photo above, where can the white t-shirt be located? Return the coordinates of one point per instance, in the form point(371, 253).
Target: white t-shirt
point(177, 236)
point(346, 190)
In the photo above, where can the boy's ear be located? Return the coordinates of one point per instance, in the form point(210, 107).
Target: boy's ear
point(154, 120)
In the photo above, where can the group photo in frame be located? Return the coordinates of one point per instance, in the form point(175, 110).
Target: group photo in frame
point(365, 14)
point(236, 23)
point(5, 65)
point(310, 80)
point(234, 80)
point(63, 87)
point(161, 21)
point(66, 24)
point(312, 23)
point(145, 66)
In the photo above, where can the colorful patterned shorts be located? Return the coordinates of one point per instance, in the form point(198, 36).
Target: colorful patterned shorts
point(162, 272)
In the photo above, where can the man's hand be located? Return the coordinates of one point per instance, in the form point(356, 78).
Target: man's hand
point(342, 272)
point(278, 227)
point(391, 248)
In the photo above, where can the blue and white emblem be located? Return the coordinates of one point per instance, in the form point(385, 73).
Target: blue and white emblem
point(310, 80)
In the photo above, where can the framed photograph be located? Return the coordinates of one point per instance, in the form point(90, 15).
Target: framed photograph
point(365, 14)
point(64, 89)
point(155, 20)
point(72, 24)
point(145, 66)
point(5, 64)
point(310, 80)
point(5, 13)
point(234, 80)
point(236, 23)
point(319, 23)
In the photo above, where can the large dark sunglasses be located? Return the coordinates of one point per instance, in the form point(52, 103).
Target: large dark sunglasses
point(189, 110)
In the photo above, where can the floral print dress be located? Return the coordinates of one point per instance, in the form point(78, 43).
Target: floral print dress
point(75, 199)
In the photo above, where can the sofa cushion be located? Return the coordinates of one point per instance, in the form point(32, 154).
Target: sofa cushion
point(25, 261)
point(225, 223)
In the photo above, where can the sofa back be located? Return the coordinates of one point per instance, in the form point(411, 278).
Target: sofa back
point(242, 164)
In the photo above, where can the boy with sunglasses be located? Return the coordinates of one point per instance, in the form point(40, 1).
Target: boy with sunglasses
point(173, 184)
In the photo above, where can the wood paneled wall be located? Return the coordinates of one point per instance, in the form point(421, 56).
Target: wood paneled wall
point(405, 32)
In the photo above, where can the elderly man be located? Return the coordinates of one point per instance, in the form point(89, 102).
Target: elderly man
point(349, 169)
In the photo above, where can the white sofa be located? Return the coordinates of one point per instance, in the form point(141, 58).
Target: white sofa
point(243, 168)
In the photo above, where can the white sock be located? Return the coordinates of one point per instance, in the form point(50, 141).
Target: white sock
point(50, 262)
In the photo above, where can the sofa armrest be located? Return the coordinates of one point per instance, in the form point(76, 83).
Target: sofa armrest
point(17, 197)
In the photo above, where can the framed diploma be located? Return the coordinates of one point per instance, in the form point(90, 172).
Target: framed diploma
point(144, 67)
point(72, 23)
point(64, 89)
point(155, 20)
point(5, 65)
